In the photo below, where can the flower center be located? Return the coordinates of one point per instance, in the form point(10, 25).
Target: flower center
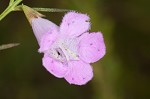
point(64, 50)
point(57, 54)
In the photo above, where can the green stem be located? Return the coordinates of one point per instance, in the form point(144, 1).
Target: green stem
point(10, 2)
point(9, 9)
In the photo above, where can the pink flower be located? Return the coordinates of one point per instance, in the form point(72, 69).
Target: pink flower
point(69, 48)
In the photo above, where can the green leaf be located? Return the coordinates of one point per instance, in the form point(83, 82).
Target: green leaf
point(51, 10)
point(19, 8)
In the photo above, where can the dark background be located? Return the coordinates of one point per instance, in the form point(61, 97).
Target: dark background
point(124, 72)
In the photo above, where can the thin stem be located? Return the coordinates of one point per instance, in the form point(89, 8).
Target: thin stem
point(11, 1)
point(9, 9)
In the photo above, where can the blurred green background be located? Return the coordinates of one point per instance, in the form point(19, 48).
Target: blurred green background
point(124, 72)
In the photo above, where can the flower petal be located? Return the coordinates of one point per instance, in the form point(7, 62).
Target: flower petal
point(80, 73)
point(47, 40)
point(54, 67)
point(91, 47)
point(41, 26)
point(74, 24)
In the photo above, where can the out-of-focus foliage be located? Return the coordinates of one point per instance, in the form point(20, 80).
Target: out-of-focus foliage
point(124, 72)
point(6, 46)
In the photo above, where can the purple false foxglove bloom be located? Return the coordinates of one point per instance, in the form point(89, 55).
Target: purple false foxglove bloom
point(69, 48)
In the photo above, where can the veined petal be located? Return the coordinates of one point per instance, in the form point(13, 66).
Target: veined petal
point(79, 73)
point(91, 47)
point(41, 26)
point(74, 24)
point(54, 67)
point(47, 40)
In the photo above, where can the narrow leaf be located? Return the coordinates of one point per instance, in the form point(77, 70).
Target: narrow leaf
point(6, 46)
point(19, 8)
point(51, 10)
